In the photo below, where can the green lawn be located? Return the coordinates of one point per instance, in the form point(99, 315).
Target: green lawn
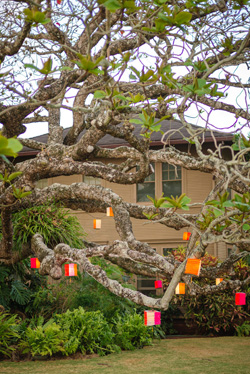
point(228, 355)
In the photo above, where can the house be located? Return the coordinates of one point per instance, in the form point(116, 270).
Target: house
point(195, 184)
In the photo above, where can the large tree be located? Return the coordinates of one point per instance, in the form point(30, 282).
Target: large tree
point(124, 64)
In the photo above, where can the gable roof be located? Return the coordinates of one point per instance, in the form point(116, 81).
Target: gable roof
point(175, 134)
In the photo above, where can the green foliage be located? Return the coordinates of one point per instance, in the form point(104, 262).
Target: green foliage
point(114, 5)
point(9, 147)
point(148, 123)
point(15, 286)
point(201, 87)
point(240, 142)
point(44, 340)
point(179, 202)
point(46, 69)
point(8, 334)
point(86, 63)
point(35, 17)
point(89, 330)
point(218, 207)
point(92, 296)
point(244, 329)
point(54, 223)
point(130, 332)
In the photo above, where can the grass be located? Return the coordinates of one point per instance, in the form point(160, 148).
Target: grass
point(226, 355)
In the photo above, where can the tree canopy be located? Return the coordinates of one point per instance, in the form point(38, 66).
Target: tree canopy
point(117, 65)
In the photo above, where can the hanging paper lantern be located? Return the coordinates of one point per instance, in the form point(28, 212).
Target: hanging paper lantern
point(97, 223)
point(70, 270)
point(180, 289)
point(186, 235)
point(193, 266)
point(240, 298)
point(34, 263)
point(218, 280)
point(110, 212)
point(58, 2)
point(158, 284)
point(152, 318)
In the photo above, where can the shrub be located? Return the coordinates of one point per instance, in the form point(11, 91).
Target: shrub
point(244, 329)
point(217, 313)
point(44, 340)
point(89, 332)
point(8, 334)
point(130, 332)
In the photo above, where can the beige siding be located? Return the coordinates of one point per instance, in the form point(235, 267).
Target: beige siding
point(194, 183)
point(198, 185)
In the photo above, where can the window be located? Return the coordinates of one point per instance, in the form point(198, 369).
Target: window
point(146, 285)
point(171, 180)
point(167, 251)
point(166, 179)
point(92, 181)
point(146, 188)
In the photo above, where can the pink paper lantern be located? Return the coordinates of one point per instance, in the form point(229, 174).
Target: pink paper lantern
point(70, 270)
point(158, 284)
point(152, 318)
point(240, 298)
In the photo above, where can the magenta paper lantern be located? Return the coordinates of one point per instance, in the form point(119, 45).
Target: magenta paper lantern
point(158, 284)
point(240, 298)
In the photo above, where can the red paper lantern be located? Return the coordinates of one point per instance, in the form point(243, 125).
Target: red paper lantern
point(70, 270)
point(186, 235)
point(58, 2)
point(180, 289)
point(152, 318)
point(97, 224)
point(193, 266)
point(240, 298)
point(34, 263)
point(158, 284)
point(110, 212)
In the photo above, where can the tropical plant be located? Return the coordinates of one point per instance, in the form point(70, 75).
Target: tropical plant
point(44, 340)
point(130, 331)
point(89, 331)
point(8, 333)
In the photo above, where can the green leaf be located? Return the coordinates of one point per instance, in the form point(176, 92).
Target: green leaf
point(14, 145)
point(246, 227)
point(32, 67)
point(99, 94)
point(136, 121)
point(183, 18)
point(14, 175)
point(112, 5)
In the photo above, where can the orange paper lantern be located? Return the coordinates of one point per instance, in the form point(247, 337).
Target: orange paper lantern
point(110, 212)
point(180, 289)
point(193, 266)
point(34, 263)
point(70, 270)
point(186, 235)
point(97, 224)
point(218, 280)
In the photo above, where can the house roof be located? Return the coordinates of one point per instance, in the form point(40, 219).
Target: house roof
point(175, 134)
